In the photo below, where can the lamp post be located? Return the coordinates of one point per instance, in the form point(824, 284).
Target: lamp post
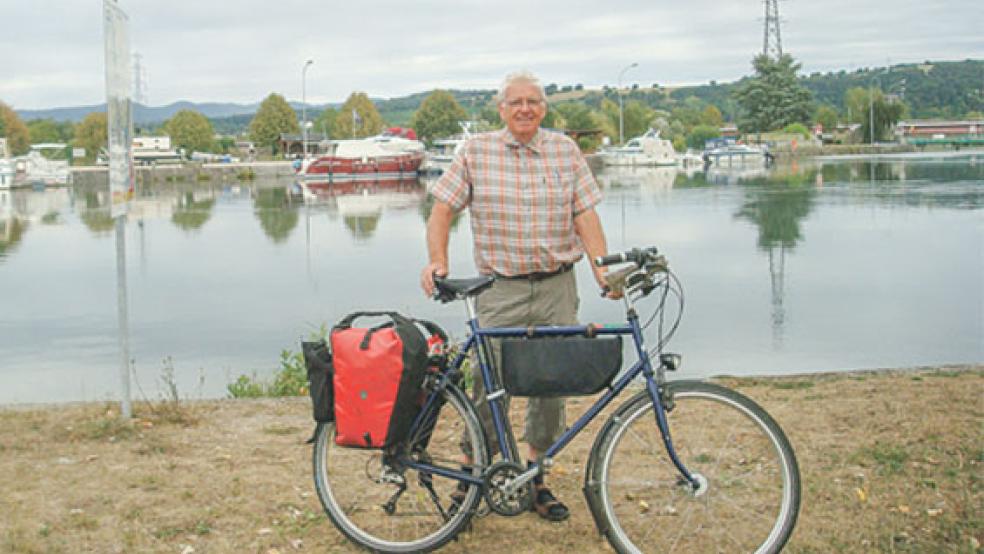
point(621, 123)
point(307, 64)
point(871, 111)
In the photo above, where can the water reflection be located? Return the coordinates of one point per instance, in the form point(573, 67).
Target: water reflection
point(361, 205)
point(777, 212)
point(651, 179)
point(22, 208)
point(193, 210)
point(724, 231)
point(277, 218)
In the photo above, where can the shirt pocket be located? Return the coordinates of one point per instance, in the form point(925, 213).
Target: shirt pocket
point(558, 188)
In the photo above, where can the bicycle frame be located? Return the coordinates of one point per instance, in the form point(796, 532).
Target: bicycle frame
point(654, 378)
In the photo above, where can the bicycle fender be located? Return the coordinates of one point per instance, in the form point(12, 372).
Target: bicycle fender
point(592, 486)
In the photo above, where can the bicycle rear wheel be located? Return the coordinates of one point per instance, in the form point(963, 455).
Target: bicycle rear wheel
point(355, 485)
point(750, 492)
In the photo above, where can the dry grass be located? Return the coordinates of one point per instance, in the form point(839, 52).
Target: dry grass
point(891, 462)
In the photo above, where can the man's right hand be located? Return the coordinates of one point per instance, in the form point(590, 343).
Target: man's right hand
point(427, 276)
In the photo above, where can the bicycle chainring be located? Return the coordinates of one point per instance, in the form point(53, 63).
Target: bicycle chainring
point(499, 494)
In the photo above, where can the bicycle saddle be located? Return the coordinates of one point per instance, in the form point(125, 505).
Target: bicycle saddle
point(452, 288)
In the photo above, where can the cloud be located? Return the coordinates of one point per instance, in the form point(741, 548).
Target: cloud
point(211, 51)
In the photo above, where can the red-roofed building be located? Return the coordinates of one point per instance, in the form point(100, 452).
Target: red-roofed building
point(938, 129)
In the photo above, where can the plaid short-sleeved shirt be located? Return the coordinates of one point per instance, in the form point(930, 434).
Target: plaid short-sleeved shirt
point(523, 199)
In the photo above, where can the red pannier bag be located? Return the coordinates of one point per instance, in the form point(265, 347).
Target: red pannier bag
point(379, 372)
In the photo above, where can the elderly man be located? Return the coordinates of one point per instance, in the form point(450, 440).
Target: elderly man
point(532, 197)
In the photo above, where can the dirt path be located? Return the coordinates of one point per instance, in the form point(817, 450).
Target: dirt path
point(891, 461)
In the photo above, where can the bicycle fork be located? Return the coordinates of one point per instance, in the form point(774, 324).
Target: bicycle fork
point(661, 402)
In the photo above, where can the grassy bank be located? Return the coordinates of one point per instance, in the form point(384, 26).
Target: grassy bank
point(891, 462)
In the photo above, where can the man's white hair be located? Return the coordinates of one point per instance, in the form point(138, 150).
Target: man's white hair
point(525, 77)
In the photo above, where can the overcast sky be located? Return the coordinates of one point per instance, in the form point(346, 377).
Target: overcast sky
point(51, 51)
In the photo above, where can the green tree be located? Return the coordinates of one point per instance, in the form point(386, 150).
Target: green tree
point(191, 131)
point(637, 118)
point(773, 98)
point(712, 117)
point(438, 116)
point(552, 119)
point(90, 134)
point(689, 117)
point(798, 129)
point(358, 117)
point(827, 117)
point(701, 133)
point(49, 130)
point(490, 114)
point(18, 137)
point(865, 104)
point(325, 121)
point(576, 116)
point(275, 116)
point(856, 104)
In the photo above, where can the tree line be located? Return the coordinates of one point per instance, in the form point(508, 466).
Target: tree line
point(772, 98)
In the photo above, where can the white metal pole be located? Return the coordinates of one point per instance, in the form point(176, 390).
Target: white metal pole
point(621, 123)
point(304, 107)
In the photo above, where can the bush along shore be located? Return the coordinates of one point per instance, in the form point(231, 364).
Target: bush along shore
point(891, 461)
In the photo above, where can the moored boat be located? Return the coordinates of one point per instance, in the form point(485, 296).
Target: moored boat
point(729, 152)
point(42, 170)
point(646, 150)
point(7, 173)
point(381, 158)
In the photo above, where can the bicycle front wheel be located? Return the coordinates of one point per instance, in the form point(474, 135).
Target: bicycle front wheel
point(750, 486)
point(360, 489)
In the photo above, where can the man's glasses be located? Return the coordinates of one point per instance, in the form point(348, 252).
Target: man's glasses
point(517, 103)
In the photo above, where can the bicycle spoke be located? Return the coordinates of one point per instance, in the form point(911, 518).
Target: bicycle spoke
point(718, 440)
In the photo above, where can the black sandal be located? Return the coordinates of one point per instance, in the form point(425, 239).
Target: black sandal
point(548, 507)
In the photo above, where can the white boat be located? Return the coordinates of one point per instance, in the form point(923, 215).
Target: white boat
point(42, 170)
point(442, 151)
point(729, 152)
point(7, 173)
point(646, 150)
point(690, 160)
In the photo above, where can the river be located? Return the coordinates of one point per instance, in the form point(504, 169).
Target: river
point(821, 265)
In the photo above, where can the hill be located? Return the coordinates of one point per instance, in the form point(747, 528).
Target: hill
point(947, 89)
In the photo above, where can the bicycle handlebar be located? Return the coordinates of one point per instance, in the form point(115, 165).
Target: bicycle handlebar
point(638, 256)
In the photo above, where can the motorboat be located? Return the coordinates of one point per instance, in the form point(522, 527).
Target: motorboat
point(7, 173)
point(442, 151)
point(646, 150)
point(441, 154)
point(40, 169)
point(385, 157)
point(690, 160)
point(727, 151)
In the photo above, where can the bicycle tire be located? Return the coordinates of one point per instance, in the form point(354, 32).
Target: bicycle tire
point(641, 503)
point(348, 485)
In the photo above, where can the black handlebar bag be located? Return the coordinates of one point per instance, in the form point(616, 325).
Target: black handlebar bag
point(559, 366)
point(379, 372)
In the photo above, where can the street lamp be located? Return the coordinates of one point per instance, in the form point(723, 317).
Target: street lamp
point(307, 64)
point(621, 123)
point(871, 111)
